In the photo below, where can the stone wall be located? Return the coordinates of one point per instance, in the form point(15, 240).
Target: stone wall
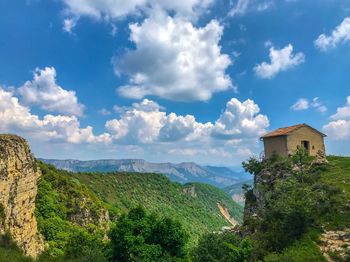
point(305, 133)
point(275, 145)
point(18, 188)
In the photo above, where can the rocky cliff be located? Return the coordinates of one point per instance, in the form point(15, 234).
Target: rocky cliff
point(18, 189)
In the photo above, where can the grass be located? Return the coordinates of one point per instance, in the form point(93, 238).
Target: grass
point(304, 250)
point(337, 175)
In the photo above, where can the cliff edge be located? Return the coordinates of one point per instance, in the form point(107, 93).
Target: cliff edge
point(18, 189)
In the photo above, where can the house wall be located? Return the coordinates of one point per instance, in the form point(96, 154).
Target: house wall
point(304, 133)
point(276, 144)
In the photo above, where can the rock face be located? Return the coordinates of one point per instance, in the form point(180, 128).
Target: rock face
point(335, 242)
point(18, 189)
point(85, 216)
point(255, 202)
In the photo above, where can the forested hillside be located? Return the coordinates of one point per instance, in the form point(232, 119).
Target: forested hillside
point(195, 204)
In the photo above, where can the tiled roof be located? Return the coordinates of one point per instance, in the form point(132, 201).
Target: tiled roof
point(286, 130)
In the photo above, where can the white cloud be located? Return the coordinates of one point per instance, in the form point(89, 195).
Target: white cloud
point(304, 104)
point(240, 8)
point(114, 9)
point(343, 112)
point(69, 24)
point(280, 60)
point(233, 137)
point(143, 130)
point(145, 122)
point(174, 60)
point(340, 34)
point(139, 124)
point(17, 118)
point(301, 104)
point(339, 128)
point(240, 120)
point(43, 91)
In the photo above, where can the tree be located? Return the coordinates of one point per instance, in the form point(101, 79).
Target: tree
point(222, 247)
point(138, 236)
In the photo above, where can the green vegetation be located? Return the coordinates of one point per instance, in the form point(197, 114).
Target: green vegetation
point(69, 209)
point(138, 236)
point(223, 247)
point(59, 202)
point(302, 198)
point(9, 251)
point(337, 176)
point(198, 212)
point(299, 199)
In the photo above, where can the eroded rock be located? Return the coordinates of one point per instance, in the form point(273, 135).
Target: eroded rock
point(18, 188)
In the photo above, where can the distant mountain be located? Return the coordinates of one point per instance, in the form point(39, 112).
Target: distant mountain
point(184, 172)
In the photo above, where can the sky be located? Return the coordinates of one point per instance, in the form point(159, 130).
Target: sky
point(172, 81)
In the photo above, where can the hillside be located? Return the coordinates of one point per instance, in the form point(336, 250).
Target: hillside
point(299, 209)
point(195, 205)
point(236, 191)
point(337, 175)
point(182, 172)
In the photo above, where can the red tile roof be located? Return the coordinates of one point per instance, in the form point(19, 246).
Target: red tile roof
point(287, 130)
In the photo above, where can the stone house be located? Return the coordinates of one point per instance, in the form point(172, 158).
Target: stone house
point(284, 141)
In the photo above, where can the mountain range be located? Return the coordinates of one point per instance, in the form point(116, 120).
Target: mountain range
point(183, 172)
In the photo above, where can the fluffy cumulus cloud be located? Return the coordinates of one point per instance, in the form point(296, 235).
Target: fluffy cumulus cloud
point(44, 92)
point(113, 9)
point(340, 34)
point(304, 104)
point(139, 124)
point(280, 60)
point(339, 127)
point(142, 130)
point(174, 60)
point(17, 118)
point(338, 130)
point(240, 119)
point(234, 134)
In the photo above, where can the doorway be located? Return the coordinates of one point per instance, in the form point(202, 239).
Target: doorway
point(306, 145)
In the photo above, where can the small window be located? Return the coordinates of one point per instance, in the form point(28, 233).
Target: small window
point(313, 147)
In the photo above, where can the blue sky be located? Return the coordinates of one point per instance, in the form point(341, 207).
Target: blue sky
point(172, 81)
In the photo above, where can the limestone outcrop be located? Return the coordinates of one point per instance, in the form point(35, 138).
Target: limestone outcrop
point(18, 188)
point(335, 242)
